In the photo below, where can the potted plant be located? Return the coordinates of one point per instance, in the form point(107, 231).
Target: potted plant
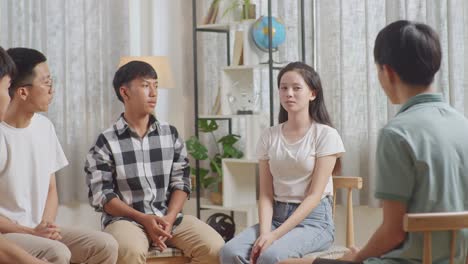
point(248, 9)
point(224, 149)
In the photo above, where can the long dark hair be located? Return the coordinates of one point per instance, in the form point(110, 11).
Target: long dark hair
point(317, 109)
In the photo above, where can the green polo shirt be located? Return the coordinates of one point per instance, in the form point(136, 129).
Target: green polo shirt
point(422, 160)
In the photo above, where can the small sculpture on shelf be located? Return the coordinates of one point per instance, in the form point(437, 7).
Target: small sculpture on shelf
point(244, 101)
point(247, 102)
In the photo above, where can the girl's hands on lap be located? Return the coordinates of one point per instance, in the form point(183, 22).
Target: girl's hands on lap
point(260, 245)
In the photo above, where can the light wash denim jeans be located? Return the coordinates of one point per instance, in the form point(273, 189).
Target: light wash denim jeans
point(315, 233)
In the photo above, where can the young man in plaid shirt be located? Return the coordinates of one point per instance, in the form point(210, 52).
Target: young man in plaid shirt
point(139, 177)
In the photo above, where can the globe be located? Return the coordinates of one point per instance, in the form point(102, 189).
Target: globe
point(260, 33)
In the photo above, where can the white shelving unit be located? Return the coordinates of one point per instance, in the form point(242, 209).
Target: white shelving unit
point(250, 212)
point(241, 82)
point(240, 184)
point(224, 26)
point(240, 175)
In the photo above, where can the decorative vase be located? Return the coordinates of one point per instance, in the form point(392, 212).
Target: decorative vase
point(205, 192)
point(216, 195)
point(248, 12)
point(216, 198)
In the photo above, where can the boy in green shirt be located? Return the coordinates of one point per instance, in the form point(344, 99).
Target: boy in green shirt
point(422, 154)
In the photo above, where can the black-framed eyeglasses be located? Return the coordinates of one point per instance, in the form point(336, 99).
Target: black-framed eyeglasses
point(49, 81)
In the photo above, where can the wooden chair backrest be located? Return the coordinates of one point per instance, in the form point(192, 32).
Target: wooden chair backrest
point(349, 183)
point(429, 222)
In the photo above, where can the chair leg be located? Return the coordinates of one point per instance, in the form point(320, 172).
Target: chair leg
point(452, 246)
point(350, 220)
point(427, 258)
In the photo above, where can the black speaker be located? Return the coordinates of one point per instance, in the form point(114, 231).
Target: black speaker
point(223, 224)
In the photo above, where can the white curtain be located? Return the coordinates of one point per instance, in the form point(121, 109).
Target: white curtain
point(83, 41)
point(344, 34)
point(346, 31)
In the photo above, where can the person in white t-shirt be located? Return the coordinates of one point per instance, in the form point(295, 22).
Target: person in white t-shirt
point(7, 71)
point(296, 160)
point(9, 252)
point(30, 156)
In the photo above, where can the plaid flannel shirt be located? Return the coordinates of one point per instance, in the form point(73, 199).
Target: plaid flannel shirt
point(142, 172)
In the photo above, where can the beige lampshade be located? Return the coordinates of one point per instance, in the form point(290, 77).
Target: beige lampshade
point(160, 65)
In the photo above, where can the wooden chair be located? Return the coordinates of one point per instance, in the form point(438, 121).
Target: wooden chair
point(347, 183)
point(168, 256)
point(430, 222)
point(336, 251)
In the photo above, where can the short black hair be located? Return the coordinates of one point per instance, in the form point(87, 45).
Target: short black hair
point(130, 72)
point(7, 65)
point(411, 49)
point(25, 60)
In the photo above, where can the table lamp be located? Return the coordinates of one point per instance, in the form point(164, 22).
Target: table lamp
point(160, 65)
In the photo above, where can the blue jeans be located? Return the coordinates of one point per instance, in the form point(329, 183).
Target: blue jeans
point(315, 233)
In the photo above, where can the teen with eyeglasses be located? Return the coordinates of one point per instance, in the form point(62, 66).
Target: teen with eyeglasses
point(9, 252)
point(30, 156)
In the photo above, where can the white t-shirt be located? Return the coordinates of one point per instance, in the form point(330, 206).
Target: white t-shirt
point(292, 165)
point(28, 156)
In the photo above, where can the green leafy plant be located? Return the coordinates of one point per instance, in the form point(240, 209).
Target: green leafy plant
point(224, 149)
point(236, 4)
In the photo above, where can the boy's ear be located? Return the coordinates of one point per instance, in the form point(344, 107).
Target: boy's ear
point(22, 93)
point(123, 90)
point(390, 73)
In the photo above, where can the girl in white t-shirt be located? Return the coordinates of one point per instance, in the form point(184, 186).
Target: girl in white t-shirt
point(296, 161)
